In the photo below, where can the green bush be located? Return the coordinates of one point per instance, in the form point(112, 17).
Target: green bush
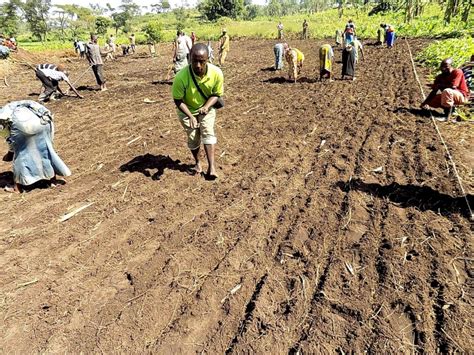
point(459, 49)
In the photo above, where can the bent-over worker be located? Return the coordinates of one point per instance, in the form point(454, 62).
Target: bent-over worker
point(29, 131)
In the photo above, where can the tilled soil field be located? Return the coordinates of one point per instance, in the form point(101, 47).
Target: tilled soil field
point(336, 224)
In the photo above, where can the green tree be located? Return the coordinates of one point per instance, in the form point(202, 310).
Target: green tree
point(274, 8)
point(80, 19)
point(165, 5)
point(102, 24)
point(63, 20)
point(153, 31)
point(251, 12)
point(161, 6)
point(36, 14)
point(9, 19)
point(129, 7)
point(181, 16)
point(120, 21)
point(97, 9)
point(213, 9)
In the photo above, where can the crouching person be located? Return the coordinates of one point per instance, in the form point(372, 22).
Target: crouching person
point(29, 130)
point(197, 91)
point(448, 90)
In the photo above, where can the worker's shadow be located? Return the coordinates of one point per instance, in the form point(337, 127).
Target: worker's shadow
point(277, 80)
point(422, 197)
point(305, 79)
point(418, 112)
point(87, 88)
point(147, 163)
point(272, 68)
point(162, 82)
point(6, 178)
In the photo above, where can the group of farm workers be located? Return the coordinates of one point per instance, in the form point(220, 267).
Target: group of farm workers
point(350, 56)
point(197, 91)
point(29, 129)
point(50, 74)
point(183, 44)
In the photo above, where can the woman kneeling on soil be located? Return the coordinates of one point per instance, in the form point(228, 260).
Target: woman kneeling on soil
point(29, 131)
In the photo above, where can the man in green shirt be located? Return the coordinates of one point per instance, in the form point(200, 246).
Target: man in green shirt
point(195, 109)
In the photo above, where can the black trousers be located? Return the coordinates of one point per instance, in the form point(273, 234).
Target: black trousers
point(50, 85)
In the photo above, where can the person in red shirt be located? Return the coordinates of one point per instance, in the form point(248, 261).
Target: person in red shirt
point(452, 85)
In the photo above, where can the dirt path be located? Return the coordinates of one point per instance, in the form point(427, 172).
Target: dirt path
point(336, 224)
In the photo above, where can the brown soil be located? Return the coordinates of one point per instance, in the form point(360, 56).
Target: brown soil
point(336, 223)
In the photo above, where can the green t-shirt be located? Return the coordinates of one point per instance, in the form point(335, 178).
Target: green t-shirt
point(211, 84)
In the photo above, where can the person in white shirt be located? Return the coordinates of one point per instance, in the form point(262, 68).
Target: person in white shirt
point(189, 44)
point(81, 48)
point(181, 52)
point(359, 48)
point(50, 75)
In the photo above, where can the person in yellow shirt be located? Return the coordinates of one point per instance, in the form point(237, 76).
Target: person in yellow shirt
point(326, 60)
point(224, 46)
point(196, 92)
point(295, 59)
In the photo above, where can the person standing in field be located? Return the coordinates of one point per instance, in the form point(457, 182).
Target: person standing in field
point(93, 55)
point(279, 51)
point(326, 61)
point(224, 46)
point(305, 29)
point(181, 52)
point(210, 51)
point(349, 61)
point(151, 47)
point(196, 90)
point(349, 32)
point(193, 38)
point(358, 48)
point(111, 43)
point(189, 44)
point(132, 43)
point(295, 59)
point(81, 48)
point(449, 89)
point(280, 30)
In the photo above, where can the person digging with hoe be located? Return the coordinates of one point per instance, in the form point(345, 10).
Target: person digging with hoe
point(197, 91)
point(449, 89)
point(50, 75)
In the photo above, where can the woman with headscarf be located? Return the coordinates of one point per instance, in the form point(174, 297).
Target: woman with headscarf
point(349, 61)
point(29, 130)
point(326, 58)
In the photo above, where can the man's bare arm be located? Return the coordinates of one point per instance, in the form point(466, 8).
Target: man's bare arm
point(185, 109)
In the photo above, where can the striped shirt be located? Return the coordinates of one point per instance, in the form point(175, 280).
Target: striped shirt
point(51, 71)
